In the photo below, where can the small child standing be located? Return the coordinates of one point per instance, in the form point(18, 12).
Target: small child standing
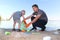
point(16, 18)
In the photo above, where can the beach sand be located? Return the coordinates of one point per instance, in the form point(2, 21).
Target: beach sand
point(28, 35)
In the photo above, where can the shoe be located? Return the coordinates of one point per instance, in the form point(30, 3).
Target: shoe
point(13, 29)
point(19, 30)
point(42, 30)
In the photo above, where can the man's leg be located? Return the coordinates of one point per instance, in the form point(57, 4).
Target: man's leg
point(42, 27)
point(34, 27)
point(34, 24)
point(41, 24)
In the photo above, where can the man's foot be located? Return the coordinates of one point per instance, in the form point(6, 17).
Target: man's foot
point(13, 29)
point(19, 30)
point(33, 29)
point(42, 30)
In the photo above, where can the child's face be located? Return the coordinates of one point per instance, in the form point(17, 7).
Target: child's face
point(23, 13)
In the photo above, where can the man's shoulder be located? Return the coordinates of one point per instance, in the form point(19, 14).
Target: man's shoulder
point(40, 10)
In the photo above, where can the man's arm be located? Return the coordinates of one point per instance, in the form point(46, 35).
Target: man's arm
point(28, 17)
point(37, 17)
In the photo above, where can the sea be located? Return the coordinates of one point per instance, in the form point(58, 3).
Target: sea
point(50, 26)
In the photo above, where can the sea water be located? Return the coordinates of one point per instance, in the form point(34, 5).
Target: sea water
point(51, 25)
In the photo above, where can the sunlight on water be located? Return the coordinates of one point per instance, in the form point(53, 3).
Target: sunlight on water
point(53, 25)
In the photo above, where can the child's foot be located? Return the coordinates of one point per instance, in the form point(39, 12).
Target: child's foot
point(13, 30)
point(19, 30)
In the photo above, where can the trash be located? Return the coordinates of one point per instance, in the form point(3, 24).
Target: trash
point(23, 26)
point(17, 35)
point(58, 29)
point(47, 38)
point(7, 33)
point(23, 30)
point(56, 32)
point(28, 30)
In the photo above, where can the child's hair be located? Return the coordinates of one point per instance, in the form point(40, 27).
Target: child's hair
point(23, 10)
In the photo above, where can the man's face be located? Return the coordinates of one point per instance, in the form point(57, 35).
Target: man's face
point(35, 9)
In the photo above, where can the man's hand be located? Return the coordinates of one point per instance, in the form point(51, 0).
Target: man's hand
point(27, 25)
point(36, 18)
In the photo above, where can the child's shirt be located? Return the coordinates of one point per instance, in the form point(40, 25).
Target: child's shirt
point(17, 15)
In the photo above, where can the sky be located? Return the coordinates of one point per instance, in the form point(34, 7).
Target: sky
point(51, 7)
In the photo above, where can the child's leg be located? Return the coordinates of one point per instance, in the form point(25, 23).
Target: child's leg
point(19, 24)
point(19, 27)
point(14, 25)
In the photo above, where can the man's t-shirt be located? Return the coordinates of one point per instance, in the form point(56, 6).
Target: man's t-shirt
point(17, 15)
point(42, 13)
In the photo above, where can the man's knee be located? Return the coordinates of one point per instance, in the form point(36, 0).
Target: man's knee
point(32, 18)
point(43, 27)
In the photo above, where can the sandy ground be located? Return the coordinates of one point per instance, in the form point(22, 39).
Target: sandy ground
point(28, 35)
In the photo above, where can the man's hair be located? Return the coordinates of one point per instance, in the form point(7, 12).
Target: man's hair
point(35, 5)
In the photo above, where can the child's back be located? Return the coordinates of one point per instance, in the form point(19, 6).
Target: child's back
point(17, 15)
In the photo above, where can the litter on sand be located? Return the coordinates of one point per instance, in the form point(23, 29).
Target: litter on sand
point(47, 38)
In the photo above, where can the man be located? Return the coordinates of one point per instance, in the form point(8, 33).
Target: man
point(38, 18)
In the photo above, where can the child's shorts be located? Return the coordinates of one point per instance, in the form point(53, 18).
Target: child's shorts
point(18, 21)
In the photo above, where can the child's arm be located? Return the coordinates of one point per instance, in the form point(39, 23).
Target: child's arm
point(10, 17)
point(23, 17)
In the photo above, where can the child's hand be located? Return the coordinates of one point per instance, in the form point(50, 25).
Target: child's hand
point(7, 19)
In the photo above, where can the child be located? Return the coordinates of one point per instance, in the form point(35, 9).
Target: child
point(16, 18)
